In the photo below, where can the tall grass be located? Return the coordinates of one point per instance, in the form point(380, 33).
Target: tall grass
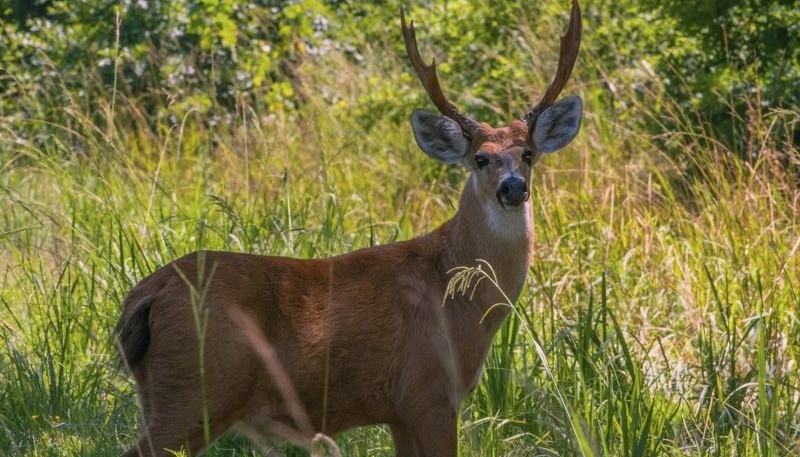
point(663, 292)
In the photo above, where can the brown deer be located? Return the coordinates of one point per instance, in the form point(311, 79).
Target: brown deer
point(217, 339)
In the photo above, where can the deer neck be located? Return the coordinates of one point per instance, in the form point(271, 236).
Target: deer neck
point(481, 230)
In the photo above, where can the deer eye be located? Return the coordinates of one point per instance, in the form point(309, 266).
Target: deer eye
point(481, 160)
point(526, 156)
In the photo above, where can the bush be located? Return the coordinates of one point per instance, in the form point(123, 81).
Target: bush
point(724, 62)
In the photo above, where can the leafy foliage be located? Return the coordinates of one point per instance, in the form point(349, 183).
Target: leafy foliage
point(726, 60)
point(661, 305)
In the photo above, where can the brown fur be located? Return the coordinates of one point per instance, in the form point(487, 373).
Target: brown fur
point(358, 339)
point(370, 322)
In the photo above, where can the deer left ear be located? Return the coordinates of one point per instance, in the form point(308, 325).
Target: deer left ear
point(438, 136)
point(558, 125)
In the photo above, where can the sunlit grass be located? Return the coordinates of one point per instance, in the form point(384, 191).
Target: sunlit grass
point(663, 293)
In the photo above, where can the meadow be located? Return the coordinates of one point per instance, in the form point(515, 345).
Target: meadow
point(660, 314)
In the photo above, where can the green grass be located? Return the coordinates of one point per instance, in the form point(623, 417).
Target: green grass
point(663, 296)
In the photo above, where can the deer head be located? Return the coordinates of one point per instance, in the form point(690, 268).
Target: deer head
point(500, 159)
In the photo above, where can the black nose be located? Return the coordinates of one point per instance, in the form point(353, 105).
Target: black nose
point(513, 191)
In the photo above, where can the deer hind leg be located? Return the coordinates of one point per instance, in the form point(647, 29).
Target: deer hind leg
point(174, 421)
point(162, 435)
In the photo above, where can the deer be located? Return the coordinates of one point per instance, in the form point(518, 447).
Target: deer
point(293, 347)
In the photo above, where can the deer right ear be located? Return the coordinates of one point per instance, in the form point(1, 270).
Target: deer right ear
point(557, 126)
point(439, 136)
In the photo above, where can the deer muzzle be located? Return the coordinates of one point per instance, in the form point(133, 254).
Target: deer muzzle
point(512, 192)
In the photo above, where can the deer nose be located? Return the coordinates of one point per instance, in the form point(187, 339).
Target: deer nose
point(513, 191)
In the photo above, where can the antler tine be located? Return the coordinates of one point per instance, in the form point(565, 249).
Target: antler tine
point(430, 81)
point(570, 44)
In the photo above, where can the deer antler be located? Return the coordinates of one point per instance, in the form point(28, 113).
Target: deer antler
point(427, 76)
point(570, 43)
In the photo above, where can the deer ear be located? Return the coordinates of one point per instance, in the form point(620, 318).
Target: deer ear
point(557, 126)
point(439, 136)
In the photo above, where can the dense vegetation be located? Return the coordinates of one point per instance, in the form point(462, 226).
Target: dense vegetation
point(661, 312)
